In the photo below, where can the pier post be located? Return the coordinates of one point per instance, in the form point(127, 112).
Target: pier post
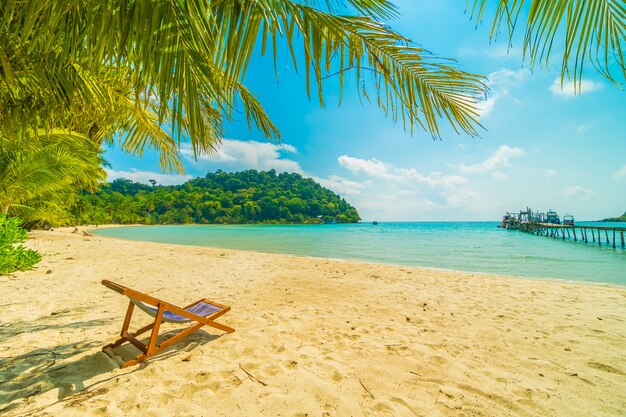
point(622, 234)
point(599, 238)
point(584, 231)
point(613, 238)
point(593, 236)
point(606, 233)
point(574, 232)
point(563, 233)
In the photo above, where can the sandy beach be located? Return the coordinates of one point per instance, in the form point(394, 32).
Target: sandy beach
point(314, 337)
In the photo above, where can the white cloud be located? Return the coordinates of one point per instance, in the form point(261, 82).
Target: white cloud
point(500, 83)
point(372, 167)
point(550, 173)
point(569, 89)
point(343, 186)
point(620, 174)
point(288, 148)
point(506, 77)
point(499, 159)
point(378, 169)
point(237, 154)
point(486, 106)
point(403, 193)
point(145, 176)
point(499, 176)
point(576, 190)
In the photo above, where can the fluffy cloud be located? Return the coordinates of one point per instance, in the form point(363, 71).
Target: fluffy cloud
point(620, 174)
point(237, 154)
point(145, 176)
point(372, 167)
point(499, 159)
point(403, 193)
point(576, 190)
point(500, 83)
point(569, 89)
point(343, 186)
point(378, 169)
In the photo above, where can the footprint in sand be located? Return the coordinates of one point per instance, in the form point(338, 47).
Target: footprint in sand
point(605, 368)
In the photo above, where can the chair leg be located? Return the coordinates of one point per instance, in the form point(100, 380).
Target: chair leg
point(129, 315)
point(155, 330)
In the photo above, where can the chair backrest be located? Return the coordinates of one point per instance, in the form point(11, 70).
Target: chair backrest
point(140, 300)
point(132, 294)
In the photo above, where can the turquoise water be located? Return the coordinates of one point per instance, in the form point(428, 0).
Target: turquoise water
point(464, 246)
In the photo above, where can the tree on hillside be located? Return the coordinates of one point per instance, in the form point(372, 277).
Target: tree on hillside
point(239, 197)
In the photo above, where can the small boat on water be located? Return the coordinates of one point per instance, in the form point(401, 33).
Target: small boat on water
point(505, 221)
point(552, 217)
point(374, 222)
point(568, 220)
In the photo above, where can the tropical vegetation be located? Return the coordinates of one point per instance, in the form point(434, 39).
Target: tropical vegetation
point(151, 74)
point(621, 218)
point(241, 197)
point(156, 72)
point(40, 175)
point(13, 255)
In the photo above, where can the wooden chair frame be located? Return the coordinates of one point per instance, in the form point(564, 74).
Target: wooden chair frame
point(152, 348)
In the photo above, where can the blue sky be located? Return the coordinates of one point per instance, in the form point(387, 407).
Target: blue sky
point(542, 146)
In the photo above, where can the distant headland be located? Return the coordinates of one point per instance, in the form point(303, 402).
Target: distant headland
point(621, 218)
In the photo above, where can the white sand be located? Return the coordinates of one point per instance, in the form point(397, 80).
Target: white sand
point(314, 337)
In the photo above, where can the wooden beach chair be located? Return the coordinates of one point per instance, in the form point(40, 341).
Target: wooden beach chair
point(201, 313)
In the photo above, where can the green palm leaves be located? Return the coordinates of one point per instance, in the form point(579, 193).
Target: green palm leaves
point(39, 175)
point(156, 71)
point(592, 31)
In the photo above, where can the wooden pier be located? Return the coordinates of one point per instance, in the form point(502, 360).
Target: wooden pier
point(611, 236)
point(529, 222)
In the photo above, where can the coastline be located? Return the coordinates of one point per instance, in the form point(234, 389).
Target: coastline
point(314, 336)
point(529, 277)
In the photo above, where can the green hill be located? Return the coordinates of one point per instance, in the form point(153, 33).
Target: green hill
point(241, 197)
point(621, 218)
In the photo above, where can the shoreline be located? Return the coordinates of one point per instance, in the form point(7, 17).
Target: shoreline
point(426, 268)
point(313, 337)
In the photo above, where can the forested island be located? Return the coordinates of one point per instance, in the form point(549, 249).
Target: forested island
point(218, 198)
point(621, 218)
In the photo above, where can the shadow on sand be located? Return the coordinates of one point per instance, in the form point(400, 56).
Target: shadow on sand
point(30, 376)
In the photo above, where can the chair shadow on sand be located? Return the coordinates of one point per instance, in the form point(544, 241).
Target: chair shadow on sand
point(33, 376)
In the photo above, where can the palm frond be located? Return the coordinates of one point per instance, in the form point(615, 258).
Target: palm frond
point(411, 84)
point(44, 167)
point(583, 31)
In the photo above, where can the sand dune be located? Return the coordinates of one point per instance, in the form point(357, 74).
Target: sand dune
point(314, 337)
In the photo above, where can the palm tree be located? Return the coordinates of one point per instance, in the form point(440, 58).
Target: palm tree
point(179, 66)
point(39, 175)
point(156, 71)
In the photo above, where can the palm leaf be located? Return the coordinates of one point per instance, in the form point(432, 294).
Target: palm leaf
point(583, 31)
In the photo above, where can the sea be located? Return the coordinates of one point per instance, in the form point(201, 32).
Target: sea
point(462, 246)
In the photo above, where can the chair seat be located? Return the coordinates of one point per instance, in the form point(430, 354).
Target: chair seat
point(201, 308)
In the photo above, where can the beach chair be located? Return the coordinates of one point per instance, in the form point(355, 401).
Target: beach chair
point(201, 313)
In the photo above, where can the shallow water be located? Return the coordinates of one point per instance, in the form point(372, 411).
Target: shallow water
point(465, 246)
